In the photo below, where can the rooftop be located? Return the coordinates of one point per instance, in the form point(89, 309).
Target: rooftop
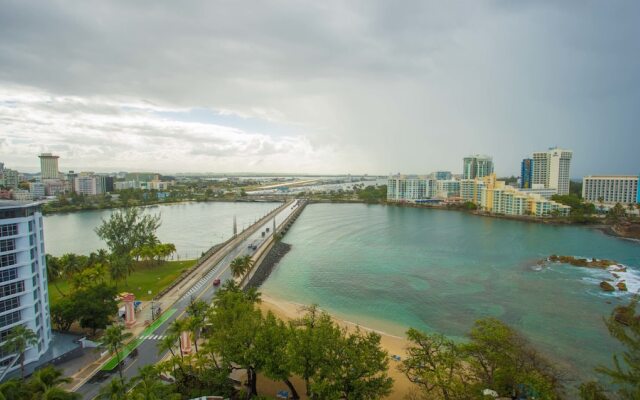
point(18, 204)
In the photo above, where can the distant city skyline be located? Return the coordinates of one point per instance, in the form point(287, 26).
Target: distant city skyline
point(324, 88)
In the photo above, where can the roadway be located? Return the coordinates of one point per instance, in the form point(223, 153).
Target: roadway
point(203, 289)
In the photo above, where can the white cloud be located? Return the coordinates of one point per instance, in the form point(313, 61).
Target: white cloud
point(98, 134)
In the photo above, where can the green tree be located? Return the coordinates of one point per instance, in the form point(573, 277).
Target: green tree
point(616, 213)
point(127, 229)
point(237, 322)
point(18, 341)
point(45, 385)
point(64, 314)
point(502, 360)
point(148, 386)
point(197, 311)
point(55, 270)
point(272, 345)
point(435, 364)
point(113, 339)
point(592, 391)
point(624, 326)
point(356, 368)
point(308, 341)
point(116, 389)
point(95, 305)
point(238, 267)
point(13, 389)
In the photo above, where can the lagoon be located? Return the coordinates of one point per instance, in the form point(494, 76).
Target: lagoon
point(390, 268)
point(192, 227)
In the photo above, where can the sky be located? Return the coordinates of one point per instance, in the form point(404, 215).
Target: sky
point(325, 87)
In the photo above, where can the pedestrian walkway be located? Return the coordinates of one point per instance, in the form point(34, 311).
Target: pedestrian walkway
point(153, 337)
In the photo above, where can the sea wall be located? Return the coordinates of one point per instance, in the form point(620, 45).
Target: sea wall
point(279, 250)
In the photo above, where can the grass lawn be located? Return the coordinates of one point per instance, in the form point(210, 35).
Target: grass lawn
point(143, 279)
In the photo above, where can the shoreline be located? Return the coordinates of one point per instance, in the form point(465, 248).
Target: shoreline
point(393, 344)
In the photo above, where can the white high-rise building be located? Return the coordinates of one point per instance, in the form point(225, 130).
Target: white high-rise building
point(410, 188)
point(49, 166)
point(551, 169)
point(24, 299)
point(611, 189)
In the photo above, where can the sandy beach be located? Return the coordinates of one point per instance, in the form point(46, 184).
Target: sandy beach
point(394, 345)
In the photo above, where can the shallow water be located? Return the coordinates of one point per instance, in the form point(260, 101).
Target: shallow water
point(192, 227)
point(390, 268)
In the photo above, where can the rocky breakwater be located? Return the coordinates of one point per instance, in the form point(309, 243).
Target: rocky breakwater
point(617, 271)
point(279, 250)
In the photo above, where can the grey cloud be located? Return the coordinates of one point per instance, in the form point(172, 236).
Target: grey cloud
point(409, 86)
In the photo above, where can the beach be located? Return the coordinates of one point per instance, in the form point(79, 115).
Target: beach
point(394, 345)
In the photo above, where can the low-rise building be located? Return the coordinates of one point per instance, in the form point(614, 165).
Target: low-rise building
point(496, 197)
point(611, 189)
point(37, 189)
point(21, 195)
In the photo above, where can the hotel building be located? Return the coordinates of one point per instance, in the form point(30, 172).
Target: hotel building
point(477, 166)
point(496, 197)
point(551, 169)
point(24, 299)
point(526, 174)
point(49, 166)
point(408, 188)
point(611, 189)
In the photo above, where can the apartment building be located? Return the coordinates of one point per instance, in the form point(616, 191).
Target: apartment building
point(611, 189)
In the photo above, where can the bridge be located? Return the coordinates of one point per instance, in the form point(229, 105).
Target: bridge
point(196, 285)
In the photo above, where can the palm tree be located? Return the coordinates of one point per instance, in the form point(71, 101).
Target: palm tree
point(45, 385)
point(237, 267)
point(197, 311)
point(114, 338)
point(601, 202)
point(55, 270)
point(167, 344)
point(12, 389)
point(176, 328)
point(116, 390)
point(18, 341)
point(149, 387)
point(248, 263)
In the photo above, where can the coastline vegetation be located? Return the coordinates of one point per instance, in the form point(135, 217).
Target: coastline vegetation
point(333, 363)
point(86, 287)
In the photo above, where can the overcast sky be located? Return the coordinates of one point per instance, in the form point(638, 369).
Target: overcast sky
point(318, 86)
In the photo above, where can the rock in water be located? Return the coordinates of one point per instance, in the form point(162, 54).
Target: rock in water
point(622, 286)
point(606, 286)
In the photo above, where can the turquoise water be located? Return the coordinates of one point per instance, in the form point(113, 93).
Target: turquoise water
point(192, 227)
point(390, 268)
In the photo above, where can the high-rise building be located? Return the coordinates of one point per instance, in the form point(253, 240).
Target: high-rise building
point(612, 189)
point(551, 169)
point(49, 166)
point(409, 188)
point(477, 166)
point(526, 174)
point(24, 297)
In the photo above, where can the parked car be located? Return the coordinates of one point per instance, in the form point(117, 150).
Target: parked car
point(216, 282)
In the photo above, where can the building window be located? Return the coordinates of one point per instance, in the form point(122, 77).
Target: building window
point(8, 230)
point(9, 319)
point(8, 274)
point(7, 260)
point(7, 245)
point(4, 334)
point(12, 288)
point(9, 304)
